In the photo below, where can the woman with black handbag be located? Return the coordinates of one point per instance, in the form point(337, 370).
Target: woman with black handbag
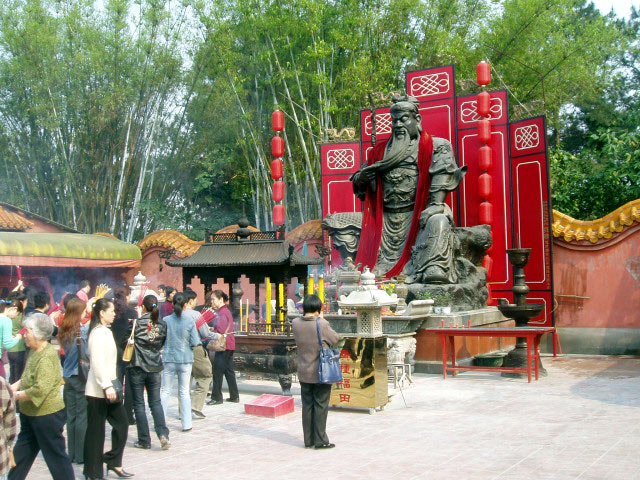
point(104, 397)
point(73, 338)
point(149, 334)
point(314, 395)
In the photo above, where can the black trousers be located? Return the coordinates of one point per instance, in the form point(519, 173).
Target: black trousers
point(99, 411)
point(139, 379)
point(17, 361)
point(42, 433)
point(315, 407)
point(123, 375)
point(223, 366)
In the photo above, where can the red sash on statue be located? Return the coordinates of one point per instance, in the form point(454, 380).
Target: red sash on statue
point(371, 234)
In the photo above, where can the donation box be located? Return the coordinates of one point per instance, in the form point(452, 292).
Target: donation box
point(363, 361)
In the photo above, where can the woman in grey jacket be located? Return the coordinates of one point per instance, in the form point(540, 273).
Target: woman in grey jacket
point(177, 358)
point(315, 396)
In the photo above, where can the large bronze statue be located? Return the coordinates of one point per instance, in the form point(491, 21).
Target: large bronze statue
point(406, 226)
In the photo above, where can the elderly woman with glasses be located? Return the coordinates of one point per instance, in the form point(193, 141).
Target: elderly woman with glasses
point(40, 404)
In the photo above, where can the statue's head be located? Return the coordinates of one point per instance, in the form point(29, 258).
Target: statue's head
point(405, 117)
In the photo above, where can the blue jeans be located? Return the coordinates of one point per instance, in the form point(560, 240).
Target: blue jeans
point(183, 370)
point(151, 380)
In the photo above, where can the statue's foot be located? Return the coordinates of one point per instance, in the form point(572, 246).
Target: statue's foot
point(435, 274)
point(412, 279)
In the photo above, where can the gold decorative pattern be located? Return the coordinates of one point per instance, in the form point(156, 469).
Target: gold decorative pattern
point(600, 230)
point(170, 239)
point(13, 221)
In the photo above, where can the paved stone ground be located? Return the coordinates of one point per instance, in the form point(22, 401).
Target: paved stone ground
point(580, 422)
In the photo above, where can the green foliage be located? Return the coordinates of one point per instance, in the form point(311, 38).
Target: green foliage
point(423, 296)
point(129, 116)
point(601, 178)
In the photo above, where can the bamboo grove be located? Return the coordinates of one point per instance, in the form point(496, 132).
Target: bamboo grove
point(130, 116)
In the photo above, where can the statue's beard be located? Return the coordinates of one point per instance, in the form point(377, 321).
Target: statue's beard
point(397, 150)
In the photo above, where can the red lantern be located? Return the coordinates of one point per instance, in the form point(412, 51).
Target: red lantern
point(484, 100)
point(484, 131)
point(485, 157)
point(278, 214)
point(485, 213)
point(276, 169)
point(484, 186)
point(487, 263)
point(278, 191)
point(277, 146)
point(277, 120)
point(483, 73)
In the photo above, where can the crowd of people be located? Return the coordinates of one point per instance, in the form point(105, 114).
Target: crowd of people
point(109, 354)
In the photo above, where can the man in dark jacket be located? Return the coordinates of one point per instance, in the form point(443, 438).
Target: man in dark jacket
point(315, 396)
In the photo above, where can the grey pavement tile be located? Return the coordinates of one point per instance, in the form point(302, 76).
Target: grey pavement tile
point(577, 423)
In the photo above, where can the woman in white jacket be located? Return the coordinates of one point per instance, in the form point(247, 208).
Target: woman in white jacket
point(102, 399)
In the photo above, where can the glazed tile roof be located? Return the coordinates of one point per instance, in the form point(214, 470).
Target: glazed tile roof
point(311, 230)
point(247, 253)
point(13, 221)
point(170, 239)
point(234, 229)
point(596, 231)
point(66, 245)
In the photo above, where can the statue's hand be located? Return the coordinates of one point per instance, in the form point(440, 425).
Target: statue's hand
point(367, 174)
point(429, 212)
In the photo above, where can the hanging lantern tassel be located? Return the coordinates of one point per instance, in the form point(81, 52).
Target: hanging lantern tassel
point(278, 191)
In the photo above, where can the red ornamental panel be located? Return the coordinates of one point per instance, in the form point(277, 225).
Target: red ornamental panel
point(276, 169)
point(340, 158)
point(383, 124)
point(277, 120)
point(278, 191)
point(278, 214)
point(531, 209)
point(468, 109)
point(277, 146)
point(431, 84)
point(527, 137)
point(470, 199)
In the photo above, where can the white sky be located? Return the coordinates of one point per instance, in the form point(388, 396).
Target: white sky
point(621, 7)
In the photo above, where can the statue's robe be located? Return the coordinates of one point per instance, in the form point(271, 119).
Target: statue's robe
point(373, 218)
